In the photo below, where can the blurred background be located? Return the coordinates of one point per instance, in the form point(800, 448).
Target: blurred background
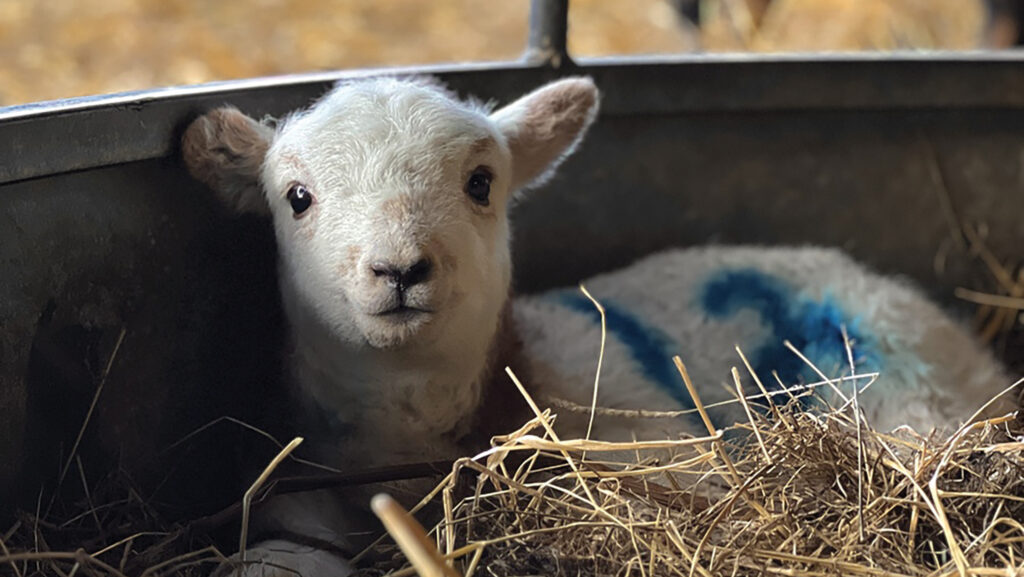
point(63, 48)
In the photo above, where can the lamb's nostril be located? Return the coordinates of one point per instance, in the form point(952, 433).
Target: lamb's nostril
point(386, 269)
point(402, 279)
point(417, 273)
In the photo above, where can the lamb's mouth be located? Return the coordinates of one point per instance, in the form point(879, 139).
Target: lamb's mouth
point(402, 312)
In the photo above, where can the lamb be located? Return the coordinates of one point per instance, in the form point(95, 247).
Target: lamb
point(389, 200)
point(703, 303)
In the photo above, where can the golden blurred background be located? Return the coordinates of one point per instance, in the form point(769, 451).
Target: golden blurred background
point(63, 48)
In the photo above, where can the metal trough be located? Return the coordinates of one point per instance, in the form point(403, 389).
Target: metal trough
point(103, 235)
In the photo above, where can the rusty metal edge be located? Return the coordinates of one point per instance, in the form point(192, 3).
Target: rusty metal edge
point(48, 138)
point(547, 42)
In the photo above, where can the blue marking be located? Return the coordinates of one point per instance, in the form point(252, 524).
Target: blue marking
point(649, 347)
point(814, 328)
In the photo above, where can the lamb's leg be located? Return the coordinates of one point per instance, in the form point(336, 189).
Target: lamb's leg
point(309, 536)
point(281, 558)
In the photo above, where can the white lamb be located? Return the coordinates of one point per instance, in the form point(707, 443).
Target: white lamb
point(390, 200)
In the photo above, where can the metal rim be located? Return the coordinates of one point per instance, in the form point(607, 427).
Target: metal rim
point(54, 137)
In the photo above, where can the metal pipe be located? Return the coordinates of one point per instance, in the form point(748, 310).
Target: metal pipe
point(549, 26)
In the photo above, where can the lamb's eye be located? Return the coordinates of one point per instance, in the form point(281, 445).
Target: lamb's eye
point(300, 198)
point(478, 187)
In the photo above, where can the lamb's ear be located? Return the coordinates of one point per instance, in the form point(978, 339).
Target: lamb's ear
point(545, 126)
point(224, 149)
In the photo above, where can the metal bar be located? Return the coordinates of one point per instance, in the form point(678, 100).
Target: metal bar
point(549, 28)
point(52, 138)
point(47, 138)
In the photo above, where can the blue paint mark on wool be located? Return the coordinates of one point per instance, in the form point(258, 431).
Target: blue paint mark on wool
point(814, 328)
point(650, 348)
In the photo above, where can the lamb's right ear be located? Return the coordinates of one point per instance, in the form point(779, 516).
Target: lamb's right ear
point(224, 149)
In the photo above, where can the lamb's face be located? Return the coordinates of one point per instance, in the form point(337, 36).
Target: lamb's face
point(390, 206)
point(389, 199)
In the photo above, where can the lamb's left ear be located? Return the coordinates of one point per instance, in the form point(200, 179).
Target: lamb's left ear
point(545, 126)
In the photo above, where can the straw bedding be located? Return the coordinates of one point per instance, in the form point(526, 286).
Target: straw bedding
point(805, 494)
point(789, 492)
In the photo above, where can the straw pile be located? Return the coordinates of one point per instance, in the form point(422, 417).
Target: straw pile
point(789, 492)
point(805, 495)
point(793, 493)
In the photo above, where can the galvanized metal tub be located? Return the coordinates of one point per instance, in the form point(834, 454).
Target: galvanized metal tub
point(106, 243)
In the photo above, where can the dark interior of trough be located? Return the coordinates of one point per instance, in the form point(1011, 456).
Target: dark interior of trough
point(110, 251)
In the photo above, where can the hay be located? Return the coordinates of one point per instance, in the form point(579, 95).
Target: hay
point(804, 494)
point(793, 493)
point(113, 533)
point(789, 492)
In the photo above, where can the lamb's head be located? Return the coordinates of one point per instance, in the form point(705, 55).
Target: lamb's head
point(390, 200)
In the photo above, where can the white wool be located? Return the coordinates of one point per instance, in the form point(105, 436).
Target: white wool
point(933, 374)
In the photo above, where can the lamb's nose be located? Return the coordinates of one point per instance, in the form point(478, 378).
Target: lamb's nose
point(403, 278)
